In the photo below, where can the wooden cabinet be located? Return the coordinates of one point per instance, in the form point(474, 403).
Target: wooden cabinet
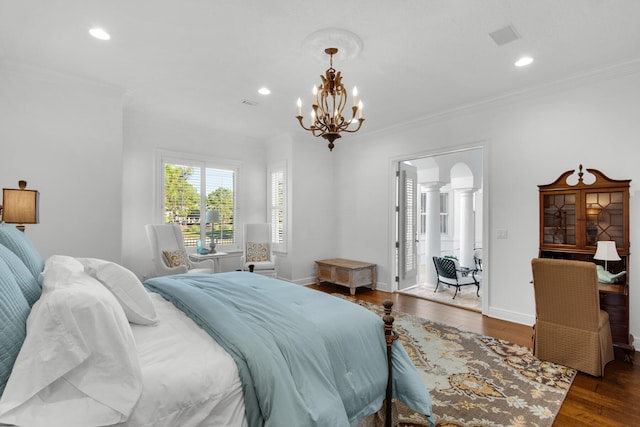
point(576, 211)
point(616, 303)
point(573, 217)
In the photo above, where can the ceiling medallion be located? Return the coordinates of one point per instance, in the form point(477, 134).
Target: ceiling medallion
point(349, 45)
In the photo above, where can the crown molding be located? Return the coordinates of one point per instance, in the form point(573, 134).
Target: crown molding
point(516, 97)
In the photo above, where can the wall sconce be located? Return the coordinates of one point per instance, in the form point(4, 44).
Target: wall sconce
point(20, 206)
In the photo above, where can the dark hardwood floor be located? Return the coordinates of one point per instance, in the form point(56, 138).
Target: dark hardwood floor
point(613, 400)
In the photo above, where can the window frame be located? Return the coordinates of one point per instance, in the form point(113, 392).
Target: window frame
point(278, 167)
point(203, 162)
point(423, 213)
point(445, 212)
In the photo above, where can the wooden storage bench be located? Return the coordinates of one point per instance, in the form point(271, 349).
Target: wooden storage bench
point(346, 272)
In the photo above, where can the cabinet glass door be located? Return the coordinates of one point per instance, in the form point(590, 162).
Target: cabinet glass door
point(559, 219)
point(604, 212)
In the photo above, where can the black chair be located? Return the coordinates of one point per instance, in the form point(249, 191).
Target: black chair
point(451, 274)
point(477, 258)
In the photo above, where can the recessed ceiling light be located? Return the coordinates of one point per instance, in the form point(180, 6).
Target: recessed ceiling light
point(264, 91)
point(99, 33)
point(525, 60)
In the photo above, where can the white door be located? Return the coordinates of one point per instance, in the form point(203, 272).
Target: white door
point(407, 226)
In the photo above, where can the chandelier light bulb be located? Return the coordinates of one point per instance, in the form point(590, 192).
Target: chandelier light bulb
point(360, 109)
point(299, 103)
point(355, 95)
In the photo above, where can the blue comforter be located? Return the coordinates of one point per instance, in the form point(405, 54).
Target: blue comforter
point(305, 358)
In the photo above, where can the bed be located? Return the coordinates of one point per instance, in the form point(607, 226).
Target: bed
point(86, 344)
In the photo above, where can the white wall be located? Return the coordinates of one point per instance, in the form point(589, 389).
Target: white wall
point(63, 135)
point(312, 213)
point(529, 141)
point(143, 137)
point(361, 185)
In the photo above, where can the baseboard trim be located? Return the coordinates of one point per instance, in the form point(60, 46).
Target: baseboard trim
point(511, 316)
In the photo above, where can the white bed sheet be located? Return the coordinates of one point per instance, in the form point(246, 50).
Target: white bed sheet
point(189, 380)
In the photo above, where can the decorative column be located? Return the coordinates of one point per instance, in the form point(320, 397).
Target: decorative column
point(432, 232)
point(467, 229)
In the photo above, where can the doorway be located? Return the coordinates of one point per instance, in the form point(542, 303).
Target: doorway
point(439, 213)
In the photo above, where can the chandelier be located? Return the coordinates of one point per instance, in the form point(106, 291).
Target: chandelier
point(329, 100)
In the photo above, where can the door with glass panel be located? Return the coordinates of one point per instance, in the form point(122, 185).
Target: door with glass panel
point(407, 226)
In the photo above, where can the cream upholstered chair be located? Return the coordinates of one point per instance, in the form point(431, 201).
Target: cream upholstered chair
point(257, 250)
point(570, 328)
point(168, 252)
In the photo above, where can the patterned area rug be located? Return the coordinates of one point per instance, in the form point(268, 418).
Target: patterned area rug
point(478, 381)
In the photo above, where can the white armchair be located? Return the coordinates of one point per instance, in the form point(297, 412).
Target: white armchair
point(168, 253)
point(257, 250)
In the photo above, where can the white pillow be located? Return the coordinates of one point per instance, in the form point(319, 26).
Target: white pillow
point(59, 268)
point(78, 364)
point(126, 287)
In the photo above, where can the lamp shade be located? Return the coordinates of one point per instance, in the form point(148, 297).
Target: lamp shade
point(212, 216)
point(606, 251)
point(19, 206)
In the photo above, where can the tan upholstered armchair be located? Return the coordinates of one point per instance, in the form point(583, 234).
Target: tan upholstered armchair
point(570, 327)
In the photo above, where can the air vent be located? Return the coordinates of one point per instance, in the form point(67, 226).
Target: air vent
point(504, 35)
point(250, 103)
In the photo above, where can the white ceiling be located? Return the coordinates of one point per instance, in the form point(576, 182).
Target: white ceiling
point(198, 60)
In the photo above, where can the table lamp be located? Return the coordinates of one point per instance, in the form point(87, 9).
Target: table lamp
point(20, 206)
point(606, 251)
point(212, 216)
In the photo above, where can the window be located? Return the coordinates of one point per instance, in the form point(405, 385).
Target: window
point(444, 213)
point(423, 213)
point(277, 206)
point(191, 188)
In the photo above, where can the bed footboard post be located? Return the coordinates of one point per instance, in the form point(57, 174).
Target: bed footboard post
point(390, 336)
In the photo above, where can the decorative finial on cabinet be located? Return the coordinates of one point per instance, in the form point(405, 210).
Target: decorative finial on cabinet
point(580, 173)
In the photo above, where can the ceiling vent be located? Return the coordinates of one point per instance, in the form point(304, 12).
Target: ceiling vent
point(250, 103)
point(504, 35)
